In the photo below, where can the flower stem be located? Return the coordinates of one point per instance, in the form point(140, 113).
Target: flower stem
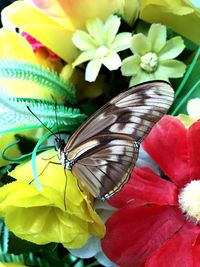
point(185, 98)
point(184, 80)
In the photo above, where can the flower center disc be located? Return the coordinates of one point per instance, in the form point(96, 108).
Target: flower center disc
point(149, 62)
point(102, 51)
point(189, 200)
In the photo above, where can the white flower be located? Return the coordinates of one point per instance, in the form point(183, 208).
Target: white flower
point(193, 108)
point(100, 46)
point(93, 246)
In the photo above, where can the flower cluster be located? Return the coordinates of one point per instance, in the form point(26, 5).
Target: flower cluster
point(60, 61)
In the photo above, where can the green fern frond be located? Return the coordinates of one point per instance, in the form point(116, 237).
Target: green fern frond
point(14, 114)
point(44, 77)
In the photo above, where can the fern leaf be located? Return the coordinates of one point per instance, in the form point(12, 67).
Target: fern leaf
point(44, 77)
point(15, 113)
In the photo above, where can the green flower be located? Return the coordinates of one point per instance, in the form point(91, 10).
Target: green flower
point(100, 45)
point(153, 56)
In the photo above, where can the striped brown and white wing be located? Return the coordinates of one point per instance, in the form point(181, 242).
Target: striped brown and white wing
point(105, 148)
point(132, 113)
point(106, 169)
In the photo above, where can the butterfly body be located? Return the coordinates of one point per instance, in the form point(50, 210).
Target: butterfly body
point(103, 151)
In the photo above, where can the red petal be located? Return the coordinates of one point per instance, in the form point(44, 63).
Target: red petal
point(167, 144)
point(134, 233)
point(146, 187)
point(178, 251)
point(194, 150)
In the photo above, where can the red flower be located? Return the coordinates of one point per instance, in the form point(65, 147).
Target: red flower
point(157, 223)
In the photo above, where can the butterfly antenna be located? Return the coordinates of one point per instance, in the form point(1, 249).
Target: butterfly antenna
point(56, 116)
point(40, 121)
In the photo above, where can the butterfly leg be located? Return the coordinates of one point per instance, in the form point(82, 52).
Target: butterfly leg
point(50, 162)
point(65, 190)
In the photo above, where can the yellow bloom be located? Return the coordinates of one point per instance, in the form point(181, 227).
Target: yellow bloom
point(84, 89)
point(15, 47)
point(186, 120)
point(55, 214)
point(181, 15)
point(11, 264)
point(54, 22)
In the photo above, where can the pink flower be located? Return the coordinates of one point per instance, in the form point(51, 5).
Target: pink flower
point(157, 223)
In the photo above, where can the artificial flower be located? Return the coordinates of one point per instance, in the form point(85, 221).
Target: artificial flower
point(93, 247)
point(45, 57)
point(193, 111)
point(160, 214)
point(84, 89)
point(182, 16)
point(61, 212)
point(11, 264)
point(15, 47)
point(145, 160)
point(186, 120)
point(100, 45)
point(54, 22)
point(193, 108)
point(153, 57)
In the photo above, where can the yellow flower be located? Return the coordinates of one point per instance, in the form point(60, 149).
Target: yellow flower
point(15, 47)
point(183, 16)
point(84, 89)
point(11, 264)
point(62, 212)
point(53, 22)
point(186, 120)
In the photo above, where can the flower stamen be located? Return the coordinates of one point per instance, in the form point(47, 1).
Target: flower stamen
point(102, 51)
point(149, 62)
point(189, 200)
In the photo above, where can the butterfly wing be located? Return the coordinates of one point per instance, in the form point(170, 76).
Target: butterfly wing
point(105, 148)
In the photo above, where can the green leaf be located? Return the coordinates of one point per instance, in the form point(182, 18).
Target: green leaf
point(17, 116)
point(44, 77)
point(19, 246)
point(189, 87)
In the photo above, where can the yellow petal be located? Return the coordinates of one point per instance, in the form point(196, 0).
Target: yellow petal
point(186, 120)
point(5, 140)
point(19, 194)
point(84, 89)
point(62, 18)
point(11, 264)
point(9, 138)
point(46, 30)
point(175, 14)
point(50, 217)
point(14, 46)
point(77, 11)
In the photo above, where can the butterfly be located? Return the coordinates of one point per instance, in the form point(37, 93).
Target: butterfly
point(103, 151)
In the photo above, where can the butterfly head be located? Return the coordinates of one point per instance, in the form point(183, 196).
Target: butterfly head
point(59, 144)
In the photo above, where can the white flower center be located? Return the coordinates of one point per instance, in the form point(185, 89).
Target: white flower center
point(149, 62)
point(102, 51)
point(189, 200)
